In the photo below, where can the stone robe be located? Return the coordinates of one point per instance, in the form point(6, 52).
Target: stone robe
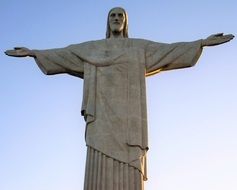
point(114, 95)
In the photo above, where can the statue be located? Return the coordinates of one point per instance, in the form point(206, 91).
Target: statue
point(114, 97)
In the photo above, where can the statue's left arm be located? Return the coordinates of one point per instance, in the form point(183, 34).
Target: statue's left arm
point(162, 57)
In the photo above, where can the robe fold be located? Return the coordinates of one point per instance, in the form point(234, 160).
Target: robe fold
point(114, 94)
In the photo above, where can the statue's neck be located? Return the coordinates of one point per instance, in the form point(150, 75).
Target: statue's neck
point(116, 34)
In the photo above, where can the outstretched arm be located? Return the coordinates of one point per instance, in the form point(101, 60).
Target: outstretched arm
point(161, 57)
point(52, 61)
point(217, 39)
point(20, 52)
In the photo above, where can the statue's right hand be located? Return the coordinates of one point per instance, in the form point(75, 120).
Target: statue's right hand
point(19, 52)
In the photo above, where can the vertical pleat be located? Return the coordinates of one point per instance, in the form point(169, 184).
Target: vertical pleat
point(131, 178)
point(95, 170)
point(116, 175)
point(109, 174)
point(125, 177)
point(99, 172)
point(121, 174)
point(87, 169)
point(139, 182)
point(105, 173)
point(91, 168)
point(103, 178)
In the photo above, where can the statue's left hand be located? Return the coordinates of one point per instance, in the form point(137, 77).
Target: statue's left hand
point(217, 39)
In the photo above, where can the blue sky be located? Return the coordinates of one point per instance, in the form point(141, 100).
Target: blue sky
point(192, 112)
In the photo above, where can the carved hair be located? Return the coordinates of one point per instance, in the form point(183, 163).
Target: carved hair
point(125, 28)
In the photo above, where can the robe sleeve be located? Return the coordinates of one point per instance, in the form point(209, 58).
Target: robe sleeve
point(162, 57)
point(60, 60)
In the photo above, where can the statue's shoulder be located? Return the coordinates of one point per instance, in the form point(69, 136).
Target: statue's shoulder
point(105, 43)
point(139, 41)
point(87, 45)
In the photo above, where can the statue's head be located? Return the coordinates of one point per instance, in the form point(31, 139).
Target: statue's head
point(117, 23)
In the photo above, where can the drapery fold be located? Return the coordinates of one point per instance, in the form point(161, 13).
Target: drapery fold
point(105, 173)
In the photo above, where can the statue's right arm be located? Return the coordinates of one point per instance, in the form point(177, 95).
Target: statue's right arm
point(20, 52)
point(52, 61)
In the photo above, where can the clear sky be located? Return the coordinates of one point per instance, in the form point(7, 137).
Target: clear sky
point(192, 112)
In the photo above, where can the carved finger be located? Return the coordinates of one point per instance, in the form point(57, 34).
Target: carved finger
point(10, 52)
point(228, 37)
point(18, 48)
point(219, 34)
point(231, 36)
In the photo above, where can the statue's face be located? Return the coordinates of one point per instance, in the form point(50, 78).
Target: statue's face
point(116, 20)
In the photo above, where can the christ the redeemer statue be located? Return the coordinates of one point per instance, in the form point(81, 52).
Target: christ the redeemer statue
point(114, 96)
